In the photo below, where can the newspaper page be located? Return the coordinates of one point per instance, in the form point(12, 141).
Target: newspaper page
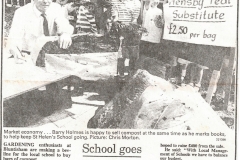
point(119, 79)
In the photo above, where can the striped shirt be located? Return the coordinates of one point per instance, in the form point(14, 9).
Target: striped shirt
point(85, 21)
point(126, 11)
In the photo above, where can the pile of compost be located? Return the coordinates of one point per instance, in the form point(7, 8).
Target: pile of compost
point(150, 102)
point(80, 44)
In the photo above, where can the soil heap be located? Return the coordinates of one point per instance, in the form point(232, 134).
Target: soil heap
point(150, 102)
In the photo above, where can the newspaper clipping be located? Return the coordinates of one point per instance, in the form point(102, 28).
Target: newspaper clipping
point(119, 79)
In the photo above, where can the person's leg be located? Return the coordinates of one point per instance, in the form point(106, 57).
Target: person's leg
point(133, 56)
point(143, 48)
point(150, 52)
point(142, 54)
point(120, 66)
point(150, 49)
point(126, 55)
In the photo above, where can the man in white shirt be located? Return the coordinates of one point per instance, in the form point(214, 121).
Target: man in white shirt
point(153, 22)
point(38, 19)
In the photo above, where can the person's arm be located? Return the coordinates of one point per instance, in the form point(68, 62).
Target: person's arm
point(16, 36)
point(71, 7)
point(136, 11)
point(114, 14)
point(64, 30)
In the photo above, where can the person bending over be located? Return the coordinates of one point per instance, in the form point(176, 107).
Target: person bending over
point(38, 19)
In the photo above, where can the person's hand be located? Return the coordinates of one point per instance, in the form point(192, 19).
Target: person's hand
point(65, 40)
point(72, 7)
point(18, 56)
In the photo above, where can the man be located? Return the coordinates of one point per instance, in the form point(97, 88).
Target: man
point(124, 14)
point(34, 21)
point(153, 22)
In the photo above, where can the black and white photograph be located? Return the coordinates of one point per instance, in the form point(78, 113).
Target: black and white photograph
point(110, 73)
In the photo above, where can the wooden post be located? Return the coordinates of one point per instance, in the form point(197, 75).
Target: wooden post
point(212, 85)
point(229, 78)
